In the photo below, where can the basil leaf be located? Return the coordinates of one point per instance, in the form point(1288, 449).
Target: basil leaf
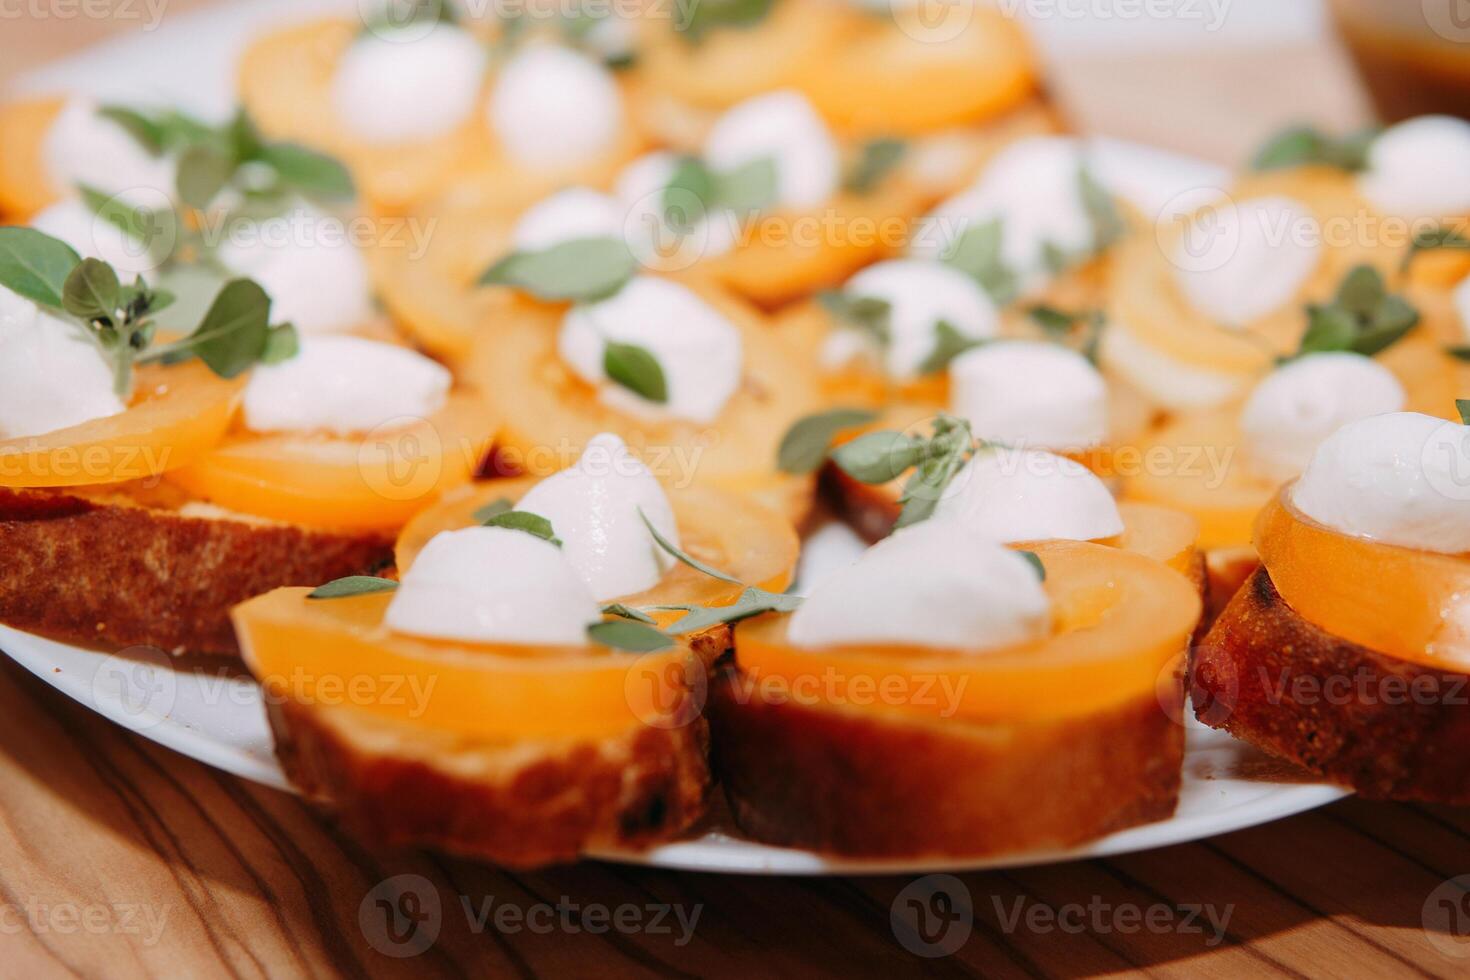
point(683, 556)
point(875, 160)
point(1035, 561)
point(698, 19)
point(1462, 405)
point(35, 265)
point(636, 369)
point(879, 457)
point(750, 187)
point(689, 194)
point(583, 270)
point(92, 291)
point(1102, 211)
point(622, 634)
point(977, 253)
point(627, 612)
point(204, 170)
point(752, 602)
point(313, 174)
point(805, 444)
point(352, 585)
point(949, 343)
point(1302, 145)
point(492, 510)
point(281, 344)
point(869, 314)
point(521, 520)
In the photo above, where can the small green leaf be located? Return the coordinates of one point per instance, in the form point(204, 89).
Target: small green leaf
point(1035, 561)
point(204, 170)
point(584, 270)
point(1302, 145)
point(1328, 329)
point(1363, 318)
point(629, 636)
point(949, 343)
point(868, 314)
point(1102, 211)
point(749, 187)
point(1435, 238)
point(232, 336)
point(520, 520)
point(636, 369)
point(752, 602)
point(148, 228)
point(92, 291)
point(352, 585)
point(1054, 321)
point(695, 20)
point(805, 444)
point(683, 556)
point(281, 344)
point(492, 510)
point(689, 194)
point(146, 132)
point(1462, 405)
point(879, 457)
point(1361, 290)
point(1459, 353)
point(876, 159)
point(35, 265)
point(977, 253)
point(315, 175)
point(627, 612)
point(923, 491)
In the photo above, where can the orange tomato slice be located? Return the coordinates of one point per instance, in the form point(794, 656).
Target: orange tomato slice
point(736, 535)
point(178, 414)
point(1413, 605)
point(25, 187)
point(1120, 621)
point(373, 483)
point(337, 654)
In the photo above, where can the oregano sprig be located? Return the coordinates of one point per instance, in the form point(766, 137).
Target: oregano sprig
point(1362, 318)
point(880, 457)
point(1300, 146)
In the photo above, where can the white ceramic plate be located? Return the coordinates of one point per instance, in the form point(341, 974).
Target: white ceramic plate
point(189, 60)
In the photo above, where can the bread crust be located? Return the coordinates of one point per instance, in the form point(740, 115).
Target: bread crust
point(120, 568)
point(521, 805)
point(1388, 728)
point(847, 782)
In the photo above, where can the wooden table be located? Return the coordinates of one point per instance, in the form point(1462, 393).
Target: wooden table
point(120, 858)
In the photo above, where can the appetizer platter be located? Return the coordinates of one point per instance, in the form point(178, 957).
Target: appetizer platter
point(750, 465)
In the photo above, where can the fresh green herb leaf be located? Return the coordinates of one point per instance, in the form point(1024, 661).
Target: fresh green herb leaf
point(1363, 317)
point(750, 187)
point(281, 344)
point(92, 291)
point(1462, 405)
point(752, 602)
point(805, 444)
point(153, 230)
point(399, 14)
point(879, 457)
point(146, 132)
point(1328, 329)
point(313, 174)
point(689, 194)
point(683, 556)
point(520, 520)
point(949, 343)
point(352, 585)
point(1459, 353)
point(627, 612)
point(204, 170)
point(1035, 561)
point(636, 369)
point(1440, 237)
point(629, 636)
point(1303, 145)
point(706, 15)
point(977, 253)
point(584, 270)
point(35, 265)
point(875, 160)
point(1102, 211)
point(492, 510)
point(1054, 321)
point(233, 334)
point(868, 314)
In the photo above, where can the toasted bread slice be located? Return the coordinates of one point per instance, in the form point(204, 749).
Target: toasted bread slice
point(519, 804)
point(857, 784)
point(1388, 728)
point(128, 564)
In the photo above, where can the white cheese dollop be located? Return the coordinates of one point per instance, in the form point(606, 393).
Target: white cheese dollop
point(1236, 262)
point(1420, 168)
point(493, 585)
point(554, 107)
point(96, 238)
point(701, 232)
point(1030, 495)
point(84, 148)
point(920, 294)
point(781, 126)
point(51, 375)
point(306, 261)
point(699, 351)
point(936, 584)
point(571, 215)
point(1401, 478)
point(343, 385)
point(1303, 402)
point(1030, 394)
point(402, 86)
point(1034, 189)
point(593, 507)
point(1162, 378)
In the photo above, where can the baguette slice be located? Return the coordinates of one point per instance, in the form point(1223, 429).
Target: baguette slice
point(851, 783)
point(1388, 728)
point(131, 564)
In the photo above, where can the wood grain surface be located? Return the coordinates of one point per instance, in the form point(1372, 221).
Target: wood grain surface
point(119, 858)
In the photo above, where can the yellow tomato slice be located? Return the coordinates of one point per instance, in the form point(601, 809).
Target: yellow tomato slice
point(25, 187)
point(1413, 605)
point(337, 654)
point(178, 414)
point(1120, 621)
point(376, 482)
point(728, 531)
